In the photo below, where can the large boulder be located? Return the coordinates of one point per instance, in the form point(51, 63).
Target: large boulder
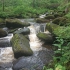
point(41, 20)
point(3, 33)
point(20, 46)
point(45, 37)
point(15, 23)
point(59, 31)
point(23, 31)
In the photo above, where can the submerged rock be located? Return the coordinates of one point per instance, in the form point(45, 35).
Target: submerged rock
point(3, 33)
point(23, 31)
point(21, 46)
point(45, 37)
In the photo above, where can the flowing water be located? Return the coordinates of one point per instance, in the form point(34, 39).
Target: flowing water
point(6, 53)
point(40, 56)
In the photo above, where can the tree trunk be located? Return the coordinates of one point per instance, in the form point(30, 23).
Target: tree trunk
point(3, 5)
point(33, 3)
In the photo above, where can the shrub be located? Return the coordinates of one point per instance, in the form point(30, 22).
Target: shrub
point(60, 21)
point(57, 15)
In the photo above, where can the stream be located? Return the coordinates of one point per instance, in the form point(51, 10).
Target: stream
point(40, 57)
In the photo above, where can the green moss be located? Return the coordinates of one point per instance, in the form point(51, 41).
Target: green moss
point(51, 27)
point(47, 38)
point(61, 31)
point(20, 46)
point(42, 36)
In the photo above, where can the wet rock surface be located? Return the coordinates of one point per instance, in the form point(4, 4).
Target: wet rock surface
point(34, 62)
point(23, 31)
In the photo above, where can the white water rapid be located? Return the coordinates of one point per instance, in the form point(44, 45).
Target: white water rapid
point(6, 53)
point(35, 43)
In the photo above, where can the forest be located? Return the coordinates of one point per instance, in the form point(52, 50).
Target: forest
point(57, 11)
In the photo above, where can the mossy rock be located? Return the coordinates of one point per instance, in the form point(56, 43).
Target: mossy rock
point(59, 31)
point(49, 17)
point(3, 33)
point(20, 46)
point(50, 27)
point(60, 21)
point(41, 20)
point(45, 37)
point(15, 23)
point(23, 31)
point(57, 15)
point(2, 22)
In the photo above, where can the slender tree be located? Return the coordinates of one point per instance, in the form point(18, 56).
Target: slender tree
point(3, 5)
point(34, 3)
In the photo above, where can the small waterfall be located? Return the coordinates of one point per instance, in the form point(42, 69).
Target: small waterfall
point(35, 43)
point(42, 27)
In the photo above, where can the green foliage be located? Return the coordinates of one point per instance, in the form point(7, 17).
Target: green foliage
point(25, 9)
point(62, 60)
point(63, 32)
point(68, 15)
point(60, 21)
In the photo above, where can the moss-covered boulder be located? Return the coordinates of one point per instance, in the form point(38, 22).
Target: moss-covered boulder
point(57, 15)
point(20, 46)
point(45, 37)
point(59, 31)
point(3, 33)
point(49, 17)
point(41, 20)
point(60, 21)
point(15, 23)
point(50, 27)
point(23, 31)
